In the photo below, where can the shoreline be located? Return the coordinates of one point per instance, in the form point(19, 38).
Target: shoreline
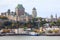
point(29, 35)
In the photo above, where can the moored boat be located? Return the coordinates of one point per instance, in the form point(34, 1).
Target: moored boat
point(33, 34)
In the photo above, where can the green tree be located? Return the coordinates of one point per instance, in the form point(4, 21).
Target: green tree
point(7, 24)
point(58, 23)
point(3, 17)
point(52, 23)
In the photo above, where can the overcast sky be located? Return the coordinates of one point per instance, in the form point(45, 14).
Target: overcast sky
point(44, 7)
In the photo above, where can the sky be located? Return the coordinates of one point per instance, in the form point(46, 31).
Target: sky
point(44, 7)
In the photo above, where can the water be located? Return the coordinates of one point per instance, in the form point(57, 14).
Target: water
point(29, 37)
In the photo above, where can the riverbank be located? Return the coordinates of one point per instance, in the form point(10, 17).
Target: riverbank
point(29, 35)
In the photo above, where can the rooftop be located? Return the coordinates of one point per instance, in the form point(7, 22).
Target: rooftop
point(34, 8)
point(20, 6)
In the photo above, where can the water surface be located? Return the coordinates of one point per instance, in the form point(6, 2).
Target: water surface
point(29, 37)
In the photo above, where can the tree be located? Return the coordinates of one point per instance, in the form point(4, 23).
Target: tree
point(58, 23)
point(52, 23)
point(3, 17)
point(7, 24)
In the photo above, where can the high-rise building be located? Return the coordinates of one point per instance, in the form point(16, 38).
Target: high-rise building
point(20, 10)
point(34, 13)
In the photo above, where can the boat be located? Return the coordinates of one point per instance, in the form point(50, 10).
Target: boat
point(33, 34)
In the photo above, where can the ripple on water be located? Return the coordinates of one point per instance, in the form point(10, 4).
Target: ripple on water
point(30, 38)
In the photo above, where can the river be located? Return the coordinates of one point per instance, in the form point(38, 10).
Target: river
point(29, 37)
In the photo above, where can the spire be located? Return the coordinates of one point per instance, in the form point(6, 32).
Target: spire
point(51, 16)
point(8, 11)
point(56, 16)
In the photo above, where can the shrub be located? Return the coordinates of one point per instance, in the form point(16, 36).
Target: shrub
point(55, 31)
point(50, 31)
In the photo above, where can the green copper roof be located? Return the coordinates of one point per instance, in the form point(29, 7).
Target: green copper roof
point(19, 6)
point(34, 8)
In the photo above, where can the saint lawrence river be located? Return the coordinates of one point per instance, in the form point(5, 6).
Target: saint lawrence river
point(29, 37)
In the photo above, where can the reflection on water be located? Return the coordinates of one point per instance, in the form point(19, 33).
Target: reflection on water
point(30, 38)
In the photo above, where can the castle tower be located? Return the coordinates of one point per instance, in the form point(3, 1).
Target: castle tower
point(8, 12)
point(34, 13)
point(19, 10)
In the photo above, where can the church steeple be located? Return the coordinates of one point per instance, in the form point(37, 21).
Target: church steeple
point(51, 16)
point(56, 16)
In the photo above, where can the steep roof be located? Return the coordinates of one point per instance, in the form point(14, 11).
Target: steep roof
point(20, 6)
point(34, 8)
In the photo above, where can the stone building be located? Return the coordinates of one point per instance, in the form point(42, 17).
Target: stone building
point(34, 13)
point(18, 15)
